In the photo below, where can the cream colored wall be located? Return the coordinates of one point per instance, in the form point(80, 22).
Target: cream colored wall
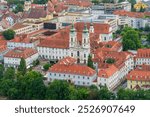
point(134, 83)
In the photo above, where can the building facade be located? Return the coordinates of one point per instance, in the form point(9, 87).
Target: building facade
point(13, 57)
point(67, 69)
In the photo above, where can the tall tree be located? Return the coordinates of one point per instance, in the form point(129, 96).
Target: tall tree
point(90, 62)
point(22, 67)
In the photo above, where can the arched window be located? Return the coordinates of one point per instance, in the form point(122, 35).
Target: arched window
point(78, 53)
point(84, 40)
point(71, 39)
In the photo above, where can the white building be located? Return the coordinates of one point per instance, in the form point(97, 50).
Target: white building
point(3, 51)
point(74, 42)
point(111, 75)
point(132, 19)
point(142, 57)
point(13, 57)
point(26, 28)
point(22, 41)
point(67, 69)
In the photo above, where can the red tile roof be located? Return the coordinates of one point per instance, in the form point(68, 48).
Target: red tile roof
point(143, 53)
point(61, 38)
point(105, 69)
point(81, 3)
point(18, 26)
point(109, 46)
point(23, 38)
point(139, 75)
point(107, 72)
point(68, 66)
point(98, 28)
point(20, 53)
point(3, 48)
point(147, 13)
point(35, 13)
point(129, 14)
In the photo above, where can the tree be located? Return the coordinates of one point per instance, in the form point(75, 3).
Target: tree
point(131, 39)
point(82, 93)
point(31, 86)
point(58, 90)
point(110, 61)
point(142, 9)
point(46, 66)
point(107, 1)
point(1, 71)
point(9, 73)
point(147, 28)
point(125, 94)
point(90, 62)
point(93, 94)
point(95, 1)
point(19, 8)
point(36, 62)
point(22, 67)
point(9, 34)
point(40, 1)
point(105, 94)
point(14, 2)
point(148, 37)
point(5, 86)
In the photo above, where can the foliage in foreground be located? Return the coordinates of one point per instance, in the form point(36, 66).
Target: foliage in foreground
point(30, 86)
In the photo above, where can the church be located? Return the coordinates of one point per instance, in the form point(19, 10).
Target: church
point(77, 41)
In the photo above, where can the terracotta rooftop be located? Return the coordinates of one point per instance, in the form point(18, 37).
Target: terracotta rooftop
point(35, 13)
point(23, 38)
point(98, 27)
point(61, 38)
point(18, 26)
point(143, 53)
point(3, 48)
point(81, 3)
point(107, 72)
point(129, 14)
point(20, 53)
point(62, 67)
point(139, 75)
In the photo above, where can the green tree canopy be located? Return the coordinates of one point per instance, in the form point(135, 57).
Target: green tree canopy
point(22, 67)
point(1, 71)
point(90, 62)
point(46, 66)
point(9, 73)
point(19, 8)
point(58, 90)
point(9, 34)
point(105, 94)
point(31, 86)
point(40, 1)
point(110, 60)
point(131, 39)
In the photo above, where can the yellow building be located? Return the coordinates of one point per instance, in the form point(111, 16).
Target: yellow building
point(140, 5)
point(139, 77)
